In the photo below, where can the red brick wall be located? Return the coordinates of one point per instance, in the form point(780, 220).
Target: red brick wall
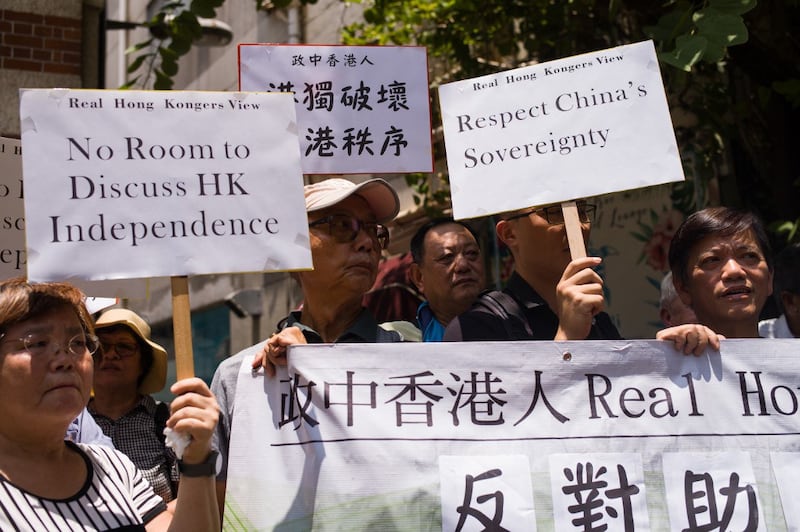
point(40, 43)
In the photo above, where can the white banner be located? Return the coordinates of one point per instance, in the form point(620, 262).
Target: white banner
point(518, 436)
point(360, 108)
point(12, 218)
point(567, 129)
point(127, 184)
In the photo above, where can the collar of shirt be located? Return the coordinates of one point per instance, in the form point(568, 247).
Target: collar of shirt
point(518, 288)
point(432, 329)
point(146, 403)
point(364, 329)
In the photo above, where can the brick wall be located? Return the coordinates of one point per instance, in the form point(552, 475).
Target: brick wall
point(40, 43)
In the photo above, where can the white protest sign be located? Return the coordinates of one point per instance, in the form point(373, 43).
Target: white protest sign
point(127, 184)
point(353, 436)
point(12, 217)
point(572, 128)
point(12, 228)
point(359, 108)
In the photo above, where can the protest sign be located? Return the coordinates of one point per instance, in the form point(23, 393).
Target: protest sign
point(12, 255)
point(544, 435)
point(12, 221)
point(126, 184)
point(567, 129)
point(359, 108)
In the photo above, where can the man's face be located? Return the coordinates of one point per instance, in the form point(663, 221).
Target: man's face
point(451, 273)
point(341, 265)
point(728, 281)
point(540, 248)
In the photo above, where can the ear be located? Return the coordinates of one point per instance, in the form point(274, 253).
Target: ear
point(790, 302)
point(771, 281)
point(665, 317)
point(415, 274)
point(506, 233)
point(683, 293)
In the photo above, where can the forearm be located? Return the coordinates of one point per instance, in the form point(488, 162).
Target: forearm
point(196, 507)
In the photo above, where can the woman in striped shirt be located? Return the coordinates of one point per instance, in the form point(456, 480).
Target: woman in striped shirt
point(47, 483)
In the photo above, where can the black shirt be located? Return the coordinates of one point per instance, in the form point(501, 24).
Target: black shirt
point(517, 313)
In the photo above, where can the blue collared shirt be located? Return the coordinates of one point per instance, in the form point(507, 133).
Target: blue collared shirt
point(432, 329)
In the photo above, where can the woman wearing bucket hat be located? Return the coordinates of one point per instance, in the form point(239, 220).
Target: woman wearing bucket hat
point(128, 368)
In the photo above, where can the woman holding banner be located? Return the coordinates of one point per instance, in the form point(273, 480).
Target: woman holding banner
point(46, 346)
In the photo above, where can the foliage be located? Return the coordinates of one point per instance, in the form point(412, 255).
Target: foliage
point(695, 42)
point(173, 30)
point(730, 68)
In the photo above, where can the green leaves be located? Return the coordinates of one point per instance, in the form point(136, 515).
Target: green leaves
point(173, 31)
point(700, 35)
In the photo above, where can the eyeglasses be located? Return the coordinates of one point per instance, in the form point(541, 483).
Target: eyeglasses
point(344, 228)
point(39, 345)
point(122, 349)
point(554, 215)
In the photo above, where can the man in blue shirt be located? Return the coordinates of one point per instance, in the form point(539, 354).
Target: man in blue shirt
point(448, 270)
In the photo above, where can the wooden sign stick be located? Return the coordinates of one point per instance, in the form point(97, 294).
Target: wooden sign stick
point(182, 327)
point(572, 222)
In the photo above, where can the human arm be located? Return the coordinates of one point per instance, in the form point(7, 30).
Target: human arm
point(579, 298)
point(195, 413)
point(274, 352)
point(691, 338)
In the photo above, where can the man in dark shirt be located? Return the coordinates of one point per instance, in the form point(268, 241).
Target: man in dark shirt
point(548, 296)
point(448, 270)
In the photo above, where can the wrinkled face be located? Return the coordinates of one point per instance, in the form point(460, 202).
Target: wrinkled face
point(728, 281)
point(46, 381)
point(342, 266)
point(118, 362)
point(540, 248)
point(451, 274)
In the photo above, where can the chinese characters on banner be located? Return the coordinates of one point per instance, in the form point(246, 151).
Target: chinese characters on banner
point(359, 108)
point(617, 436)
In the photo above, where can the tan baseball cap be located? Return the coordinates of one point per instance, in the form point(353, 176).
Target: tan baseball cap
point(380, 196)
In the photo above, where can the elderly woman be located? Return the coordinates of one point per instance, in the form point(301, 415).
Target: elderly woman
point(49, 483)
point(722, 267)
point(128, 366)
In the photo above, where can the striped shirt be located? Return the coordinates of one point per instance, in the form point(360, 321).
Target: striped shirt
point(115, 496)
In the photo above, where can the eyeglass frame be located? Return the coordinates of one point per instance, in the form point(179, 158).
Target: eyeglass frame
point(86, 337)
point(102, 350)
point(587, 208)
point(381, 235)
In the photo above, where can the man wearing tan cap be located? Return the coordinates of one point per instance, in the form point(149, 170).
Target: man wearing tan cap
point(346, 237)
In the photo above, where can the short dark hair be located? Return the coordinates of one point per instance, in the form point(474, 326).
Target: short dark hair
point(21, 300)
point(714, 221)
point(418, 240)
point(787, 272)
